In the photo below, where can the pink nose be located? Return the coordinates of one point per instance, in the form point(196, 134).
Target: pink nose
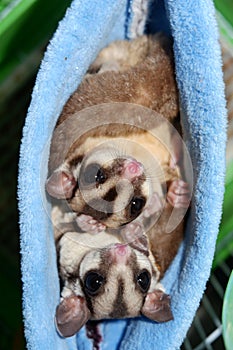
point(132, 169)
point(121, 249)
point(120, 253)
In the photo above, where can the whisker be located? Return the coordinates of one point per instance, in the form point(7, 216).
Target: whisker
point(156, 173)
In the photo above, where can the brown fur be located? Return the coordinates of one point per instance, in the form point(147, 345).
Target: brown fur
point(163, 244)
point(150, 82)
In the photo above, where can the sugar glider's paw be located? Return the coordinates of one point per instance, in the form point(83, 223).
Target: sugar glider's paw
point(132, 231)
point(88, 224)
point(153, 206)
point(178, 194)
point(133, 234)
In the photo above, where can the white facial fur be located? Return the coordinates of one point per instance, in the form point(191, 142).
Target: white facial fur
point(120, 295)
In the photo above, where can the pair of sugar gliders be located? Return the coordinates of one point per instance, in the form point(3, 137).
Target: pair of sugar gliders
point(117, 187)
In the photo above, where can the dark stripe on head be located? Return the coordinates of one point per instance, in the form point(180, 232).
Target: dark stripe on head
point(110, 195)
point(89, 303)
point(75, 161)
point(104, 212)
point(119, 306)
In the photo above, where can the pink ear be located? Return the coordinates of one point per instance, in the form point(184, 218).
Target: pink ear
point(71, 314)
point(60, 184)
point(157, 306)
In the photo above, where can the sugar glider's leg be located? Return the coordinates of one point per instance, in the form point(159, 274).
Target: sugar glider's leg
point(88, 224)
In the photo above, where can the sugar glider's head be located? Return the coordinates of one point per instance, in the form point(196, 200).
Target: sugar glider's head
point(112, 189)
point(114, 282)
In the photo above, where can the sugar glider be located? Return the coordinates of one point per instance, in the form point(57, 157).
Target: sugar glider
point(105, 278)
point(111, 169)
point(110, 275)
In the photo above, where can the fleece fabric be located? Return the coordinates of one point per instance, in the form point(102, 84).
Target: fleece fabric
point(86, 28)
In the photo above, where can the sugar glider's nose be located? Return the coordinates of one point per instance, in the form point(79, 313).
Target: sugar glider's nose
point(132, 168)
point(120, 253)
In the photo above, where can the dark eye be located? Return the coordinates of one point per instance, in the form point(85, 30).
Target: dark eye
point(137, 204)
point(143, 280)
point(93, 282)
point(100, 176)
point(93, 174)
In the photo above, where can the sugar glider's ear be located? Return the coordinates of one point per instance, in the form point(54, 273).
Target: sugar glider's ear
point(157, 306)
point(71, 314)
point(60, 184)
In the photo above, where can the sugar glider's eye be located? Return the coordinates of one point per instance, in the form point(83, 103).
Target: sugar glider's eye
point(93, 281)
point(100, 176)
point(143, 280)
point(93, 174)
point(137, 203)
